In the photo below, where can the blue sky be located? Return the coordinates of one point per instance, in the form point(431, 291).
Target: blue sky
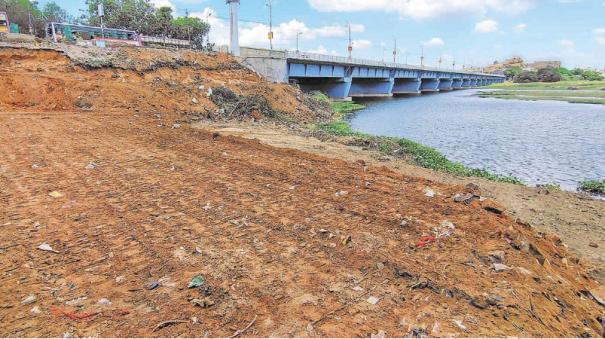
point(473, 32)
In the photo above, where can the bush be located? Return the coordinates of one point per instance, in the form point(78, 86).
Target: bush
point(548, 75)
point(525, 77)
point(592, 75)
point(512, 72)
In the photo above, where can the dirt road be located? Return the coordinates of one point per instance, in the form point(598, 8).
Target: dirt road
point(106, 217)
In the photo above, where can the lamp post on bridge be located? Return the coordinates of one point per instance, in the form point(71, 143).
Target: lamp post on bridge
point(297, 35)
point(233, 25)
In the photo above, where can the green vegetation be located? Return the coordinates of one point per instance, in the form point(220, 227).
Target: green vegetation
point(518, 75)
point(143, 17)
point(578, 91)
point(19, 12)
point(419, 154)
point(593, 186)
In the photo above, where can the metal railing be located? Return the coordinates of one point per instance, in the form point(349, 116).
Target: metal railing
point(297, 55)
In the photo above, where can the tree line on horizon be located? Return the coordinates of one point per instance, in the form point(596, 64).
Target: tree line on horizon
point(136, 15)
point(518, 75)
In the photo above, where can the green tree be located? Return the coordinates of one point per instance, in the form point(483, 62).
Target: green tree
point(53, 12)
point(135, 15)
point(512, 72)
point(191, 28)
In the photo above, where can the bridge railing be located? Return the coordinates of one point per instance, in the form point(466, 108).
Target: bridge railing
point(366, 62)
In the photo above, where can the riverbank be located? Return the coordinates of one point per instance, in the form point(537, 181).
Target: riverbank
point(120, 218)
point(582, 92)
point(409, 150)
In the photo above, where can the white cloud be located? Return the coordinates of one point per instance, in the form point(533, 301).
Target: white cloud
point(255, 34)
point(600, 30)
point(163, 3)
point(362, 43)
point(434, 42)
point(423, 9)
point(486, 26)
point(322, 50)
point(567, 46)
point(520, 28)
point(600, 40)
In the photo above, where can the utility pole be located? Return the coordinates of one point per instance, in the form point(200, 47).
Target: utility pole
point(297, 35)
point(395, 50)
point(350, 47)
point(421, 56)
point(454, 63)
point(101, 13)
point(233, 24)
point(440, 60)
point(270, 36)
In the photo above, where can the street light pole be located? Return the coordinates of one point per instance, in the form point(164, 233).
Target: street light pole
point(395, 50)
point(350, 47)
point(421, 56)
point(297, 35)
point(270, 5)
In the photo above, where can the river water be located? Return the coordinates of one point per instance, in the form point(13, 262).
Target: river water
point(538, 142)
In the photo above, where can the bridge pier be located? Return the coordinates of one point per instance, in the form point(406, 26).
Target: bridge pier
point(429, 85)
point(474, 82)
point(335, 88)
point(445, 84)
point(457, 83)
point(372, 87)
point(466, 83)
point(406, 86)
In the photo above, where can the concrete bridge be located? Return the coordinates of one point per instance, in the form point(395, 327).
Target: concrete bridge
point(342, 78)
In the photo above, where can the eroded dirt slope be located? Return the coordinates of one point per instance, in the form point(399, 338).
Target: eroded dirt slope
point(288, 243)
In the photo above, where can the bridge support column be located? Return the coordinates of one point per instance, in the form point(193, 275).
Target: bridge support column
point(407, 86)
point(369, 87)
point(474, 82)
point(466, 83)
point(445, 84)
point(335, 88)
point(429, 85)
point(457, 84)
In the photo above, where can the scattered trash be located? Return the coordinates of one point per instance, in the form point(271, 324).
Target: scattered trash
point(379, 334)
point(373, 300)
point(341, 193)
point(91, 166)
point(30, 299)
point(194, 101)
point(73, 315)
point(496, 256)
point(500, 267)
point(119, 279)
point(194, 320)
point(203, 303)
point(35, 166)
point(152, 285)
point(175, 126)
point(197, 281)
point(168, 323)
point(104, 301)
point(46, 247)
point(425, 240)
point(460, 324)
point(428, 192)
point(56, 194)
point(357, 288)
point(594, 245)
point(347, 240)
point(35, 310)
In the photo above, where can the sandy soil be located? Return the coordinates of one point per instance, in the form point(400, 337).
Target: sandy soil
point(108, 212)
point(577, 218)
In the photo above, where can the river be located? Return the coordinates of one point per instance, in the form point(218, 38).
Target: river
point(538, 142)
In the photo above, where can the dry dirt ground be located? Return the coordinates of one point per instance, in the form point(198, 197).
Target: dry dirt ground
point(577, 218)
point(108, 212)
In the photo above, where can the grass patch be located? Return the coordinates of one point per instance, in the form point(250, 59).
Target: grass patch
point(580, 85)
point(593, 186)
point(419, 154)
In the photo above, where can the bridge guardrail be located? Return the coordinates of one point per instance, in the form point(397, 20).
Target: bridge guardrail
point(367, 62)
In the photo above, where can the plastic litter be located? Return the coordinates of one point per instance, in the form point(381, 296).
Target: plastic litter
point(197, 281)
